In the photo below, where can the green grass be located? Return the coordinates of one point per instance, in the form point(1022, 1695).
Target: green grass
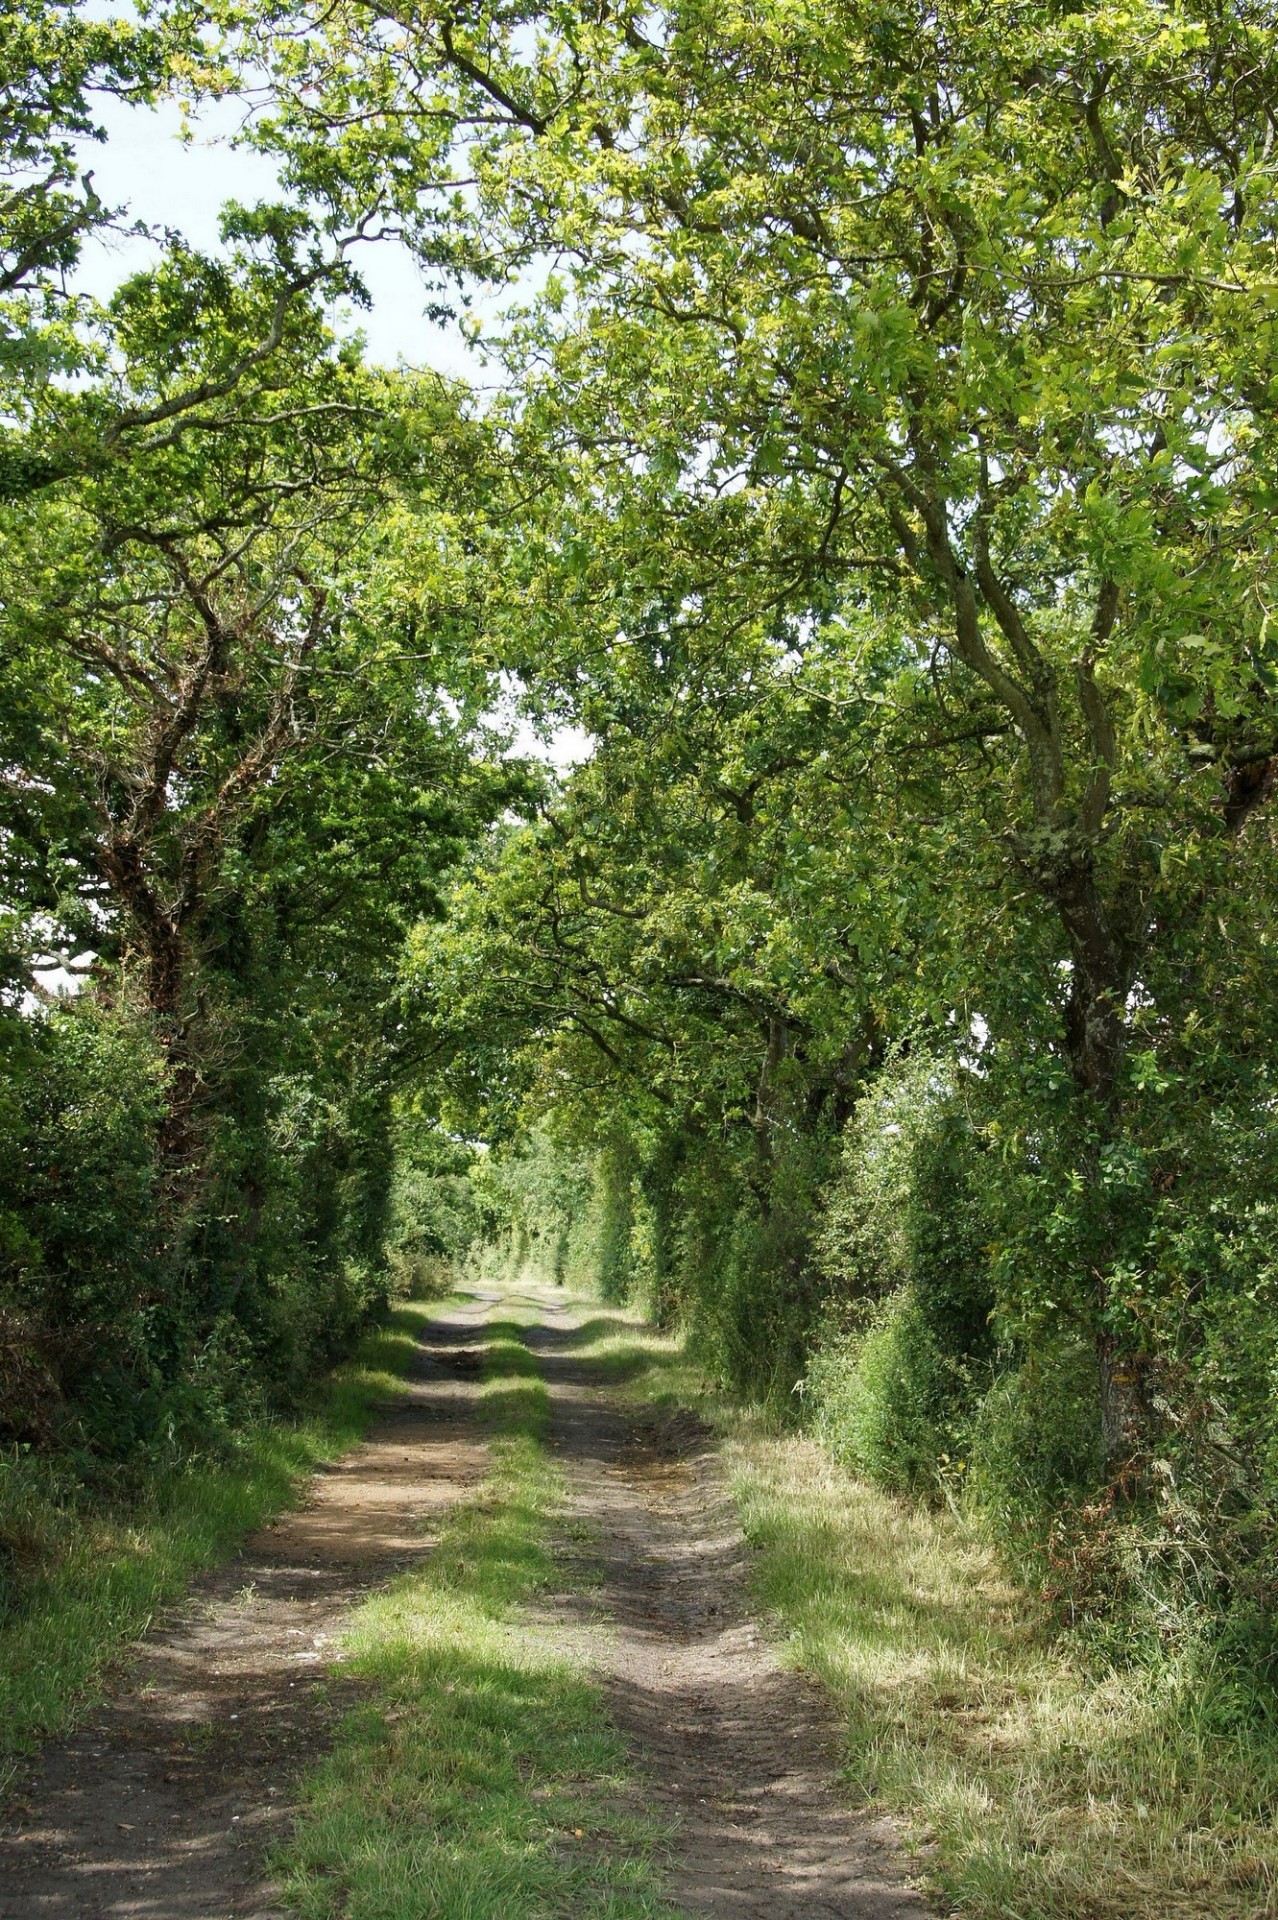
point(1049, 1789)
point(1038, 1786)
point(626, 1352)
point(482, 1779)
point(99, 1573)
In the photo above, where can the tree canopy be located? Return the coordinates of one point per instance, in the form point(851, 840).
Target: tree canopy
point(880, 473)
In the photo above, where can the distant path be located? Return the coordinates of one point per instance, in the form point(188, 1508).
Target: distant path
point(166, 1801)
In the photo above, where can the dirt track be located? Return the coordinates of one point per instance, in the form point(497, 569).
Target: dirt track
point(165, 1802)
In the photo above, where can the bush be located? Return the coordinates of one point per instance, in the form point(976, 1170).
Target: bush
point(737, 1267)
point(80, 1259)
point(146, 1308)
point(1034, 1441)
point(880, 1401)
point(904, 1244)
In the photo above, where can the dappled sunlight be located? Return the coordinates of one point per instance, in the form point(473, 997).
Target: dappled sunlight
point(737, 783)
point(95, 1577)
point(1080, 1792)
point(1038, 1785)
point(481, 1780)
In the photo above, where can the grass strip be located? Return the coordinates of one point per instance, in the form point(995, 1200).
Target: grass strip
point(482, 1779)
point(1042, 1789)
point(106, 1570)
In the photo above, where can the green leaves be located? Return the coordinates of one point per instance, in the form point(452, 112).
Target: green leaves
point(56, 61)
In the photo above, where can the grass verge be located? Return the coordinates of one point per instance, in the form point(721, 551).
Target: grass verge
point(1047, 1791)
point(1037, 1787)
point(105, 1571)
point(482, 1780)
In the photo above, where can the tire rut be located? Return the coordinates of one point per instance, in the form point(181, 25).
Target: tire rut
point(736, 1753)
point(166, 1799)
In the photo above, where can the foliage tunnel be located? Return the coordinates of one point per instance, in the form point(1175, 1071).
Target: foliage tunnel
point(878, 477)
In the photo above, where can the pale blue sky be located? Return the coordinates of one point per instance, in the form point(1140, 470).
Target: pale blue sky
point(145, 167)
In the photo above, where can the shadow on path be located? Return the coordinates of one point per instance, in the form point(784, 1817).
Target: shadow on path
point(165, 1802)
point(736, 1752)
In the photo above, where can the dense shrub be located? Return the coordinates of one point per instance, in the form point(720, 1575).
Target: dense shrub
point(750, 1292)
point(908, 1346)
point(141, 1309)
point(81, 1264)
point(880, 1400)
point(958, 1355)
point(1033, 1441)
point(537, 1207)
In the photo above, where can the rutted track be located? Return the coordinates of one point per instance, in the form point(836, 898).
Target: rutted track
point(735, 1751)
point(166, 1801)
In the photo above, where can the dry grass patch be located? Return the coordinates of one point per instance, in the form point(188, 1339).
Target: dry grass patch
point(1035, 1787)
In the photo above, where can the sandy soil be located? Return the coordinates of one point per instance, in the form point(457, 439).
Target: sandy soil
point(164, 1804)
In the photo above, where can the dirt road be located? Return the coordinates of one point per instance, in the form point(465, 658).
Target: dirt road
point(164, 1804)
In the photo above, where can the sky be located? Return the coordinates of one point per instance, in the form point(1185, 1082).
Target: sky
point(145, 167)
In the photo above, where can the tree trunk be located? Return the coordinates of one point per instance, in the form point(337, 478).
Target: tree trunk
point(1121, 1399)
point(166, 969)
point(162, 942)
point(1095, 1039)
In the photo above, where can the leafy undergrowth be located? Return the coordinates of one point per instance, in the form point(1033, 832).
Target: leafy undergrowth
point(1037, 1787)
point(482, 1780)
point(100, 1569)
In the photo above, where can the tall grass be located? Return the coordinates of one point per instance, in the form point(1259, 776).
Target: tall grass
point(1046, 1788)
point(89, 1569)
